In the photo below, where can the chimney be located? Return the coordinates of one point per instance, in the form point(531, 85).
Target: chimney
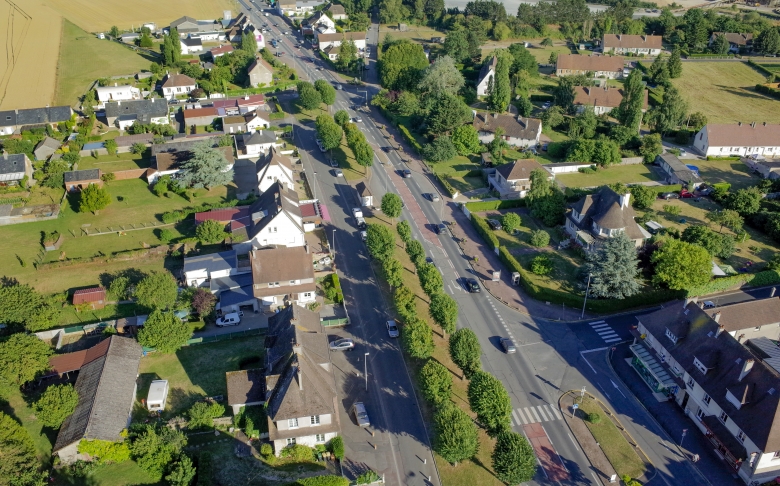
point(716, 317)
point(624, 200)
point(746, 367)
point(495, 115)
point(720, 330)
point(774, 289)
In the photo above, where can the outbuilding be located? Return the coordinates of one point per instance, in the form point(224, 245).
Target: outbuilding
point(158, 396)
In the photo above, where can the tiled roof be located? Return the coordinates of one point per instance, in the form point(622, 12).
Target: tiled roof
point(336, 9)
point(595, 96)
point(178, 80)
point(224, 215)
point(338, 36)
point(35, 116)
point(221, 50)
point(632, 41)
point(578, 62)
point(678, 168)
point(129, 140)
point(749, 314)
point(245, 386)
point(145, 110)
point(274, 200)
point(742, 135)
point(735, 38)
point(251, 100)
point(94, 294)
point(49, 143)
point(213, 262)
point(258, 138)
point(12, 163)
point(281, 264)
point(81, 175)
point(519, 169)
point(516, 127)
point(487, 68)
point(605, 210)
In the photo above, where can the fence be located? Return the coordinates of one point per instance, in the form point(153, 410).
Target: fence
point(335, 321)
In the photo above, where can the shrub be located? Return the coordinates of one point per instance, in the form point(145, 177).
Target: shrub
point(298, 453)
point(266, 449)
point(336, 446)
point(541, 265)
point(482, 228)
point(202, 414)
point(510, 222)
point(540, 238)
point(165, 235)
point(331, 287)
point(324, 481)
point(593, 418)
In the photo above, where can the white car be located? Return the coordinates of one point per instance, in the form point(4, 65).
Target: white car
point(232, 319)
point(357, 119)
point(392, 329)
point(339, 173)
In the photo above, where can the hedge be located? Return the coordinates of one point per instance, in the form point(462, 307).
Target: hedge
point(669, 188)
point(767, 277)
point(447, 186)
point(709, 157)
point(409, 138)
point(181, 214)
point(558, 149)
point(759, 67)
point(774, 93)
point(541, 97)
point(482, 228)
point(493, 205)
point(323, 481)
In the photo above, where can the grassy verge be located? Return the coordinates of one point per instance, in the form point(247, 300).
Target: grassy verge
point(111, 163)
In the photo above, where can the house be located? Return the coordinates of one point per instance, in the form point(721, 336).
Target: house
point(513, 180)
point(260, 73)
point(106, 387)
point(487, 73)
point(246, 123)
point(767, 169)
point(602, 100)
point(220, 51)
point(236, 106)
point(301, 396)
point(610, 67)
point(738, 139)
point(737, 41)
point(117, 93)
point(190, 45)
point(275, 167)
point(332, 52)
point(14, 121)
point(46, 148)
point(335, 40)
point(130, 37)
point(518, 131)
point(124, 113)
point(77, 180)
point(750, 319)
point(185, 25)
point(282, 275)
point(171, 162)
point(245, 388)
point(337, 11)
point(321, 19)
point(603, 215)
point(364, 193)
point(14, 168)
point(275, 219)
point(293, 8)
point(177, 84)
point(199, 270)
point(728, 387)
point(209, 36)
point(92, 298)
point(200, 116)
point(649, 45)
point(254, 144)
point(677, 172)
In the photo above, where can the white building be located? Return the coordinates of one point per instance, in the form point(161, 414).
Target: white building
point(274, 168)
point(335, 40)
point(256, 144)
point(117, 93)
point(191, 45)
point(177, 85)
point(275, 219)
point(199, 270)
point(513, 180)
point(518, 131)
point(487, 73)
point(282, 275)
point(721, 140)
point(649, 45)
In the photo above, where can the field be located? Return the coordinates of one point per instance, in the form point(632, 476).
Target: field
point(734, 172)
point(724, 92)
point(35, 28)
point(627, 174)
point(416, 33)
point(456, 171)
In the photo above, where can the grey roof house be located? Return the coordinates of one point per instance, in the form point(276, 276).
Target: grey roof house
point(13, 168)
point(245, 388)
point(46, 148)
point(518, 131)
point(15, 120)
point(106, 386)
point(603, 215)
point(76, 180)
point(142, 111)
point(677, 172)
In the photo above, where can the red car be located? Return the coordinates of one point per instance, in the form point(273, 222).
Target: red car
point(685, 194)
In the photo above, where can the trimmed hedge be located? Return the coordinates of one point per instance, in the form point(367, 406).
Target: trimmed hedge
point(759, 67)
point(722, 158)
point(447, 186)
point(181, 214)
point(541, 97)
point(767, 277)
point(483, 229)
point(773, 92)
point(493, 205)
point(409, 137)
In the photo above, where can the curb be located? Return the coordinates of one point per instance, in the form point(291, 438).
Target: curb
point(575, 435)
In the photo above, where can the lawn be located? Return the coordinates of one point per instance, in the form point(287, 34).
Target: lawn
point(416, 33)
point(617, 449)
point(724, 92)
point(565, 273)
point(456, 171)
point(12, 403)
point(70, 316)
point(627, 174)
point(85, 58)
point(732, 171)
point(196, 371)
point(111, 163)
point(523, 234)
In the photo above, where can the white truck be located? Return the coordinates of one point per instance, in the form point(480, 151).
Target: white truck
point(358, 214)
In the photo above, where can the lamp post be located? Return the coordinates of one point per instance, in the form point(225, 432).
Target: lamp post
point(364, 91)
point(586, 298)
point(333, 247)
point(365, 369)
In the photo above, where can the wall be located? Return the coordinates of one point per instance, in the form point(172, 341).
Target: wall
point(129, 174)
point(631, 160)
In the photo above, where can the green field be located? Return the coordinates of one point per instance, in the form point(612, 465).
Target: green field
point(725, 92)
point(732, 171)
point(456, 170)
point(627, 174)
point(111, 163)
point(85, 58)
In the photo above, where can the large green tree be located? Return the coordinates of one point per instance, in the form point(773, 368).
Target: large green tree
point(55, 405)
point(22, 305)
point(629, 112)
point(93, 198)
point(465, 351)
point(456, 438)
point(671, 113)
point(768, 41)
point(326, 90)
point(380, 241)
point(207, 168)
point(430, 278)
point(392, 205)
point(513, 458)
point(680, 265)
point(435, 382)
point(501, 94)
point(490, 401)
point(465, 139)
point(447, 112)
point(309, 97)
point(19, 464)
point(444, 311)
point(728, 218)
point(164, 331)
point(249, 43)
point(441, 77)
point(544, 199)
point(23, 358)
point(210, 231)
point(674, 64)
point(202, 414)
point(720, 45)
point(347, 55)
point(182, 473)
point(614, 269)
point(417, 338)
point(401, 64)
point(158, 290)
point(328, 131)
point(155, 447)
point(716, 244)
point(745, 201)
point(393, 272)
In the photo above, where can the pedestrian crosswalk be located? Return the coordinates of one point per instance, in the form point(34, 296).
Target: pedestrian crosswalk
point(605, 332)
point(532, 415)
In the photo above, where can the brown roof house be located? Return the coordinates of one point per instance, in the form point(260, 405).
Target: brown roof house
point(518, 131)
point(281, 275)
point(177, 84)
point(200, 116)
point(246, 123)
point(77, 180)
point(301, 395)
point(93, 298)
point(737, 41)
point(603, 100)
point(513, 180)
point(730, 388)
point(106, 386)
point(719, 139)
point(750, 319)
point(245, 388)
point(603, 215)
point(260, 73)
point(649, 45)
point(600, 66)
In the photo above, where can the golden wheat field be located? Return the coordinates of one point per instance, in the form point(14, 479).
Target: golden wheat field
point(28, 69)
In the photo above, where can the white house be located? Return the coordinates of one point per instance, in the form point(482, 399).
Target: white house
point(274, 168)
point(199, 270)
point(275, 219)
point(191, 45)
point(294, 8)
point(255, 144)
point(487, 73)
point(318, 19)
point(518, 131)
point(335, 40)
point(602, 100)
point(649, 45)
point(282, 275)
point(337, 11)
point(739, 139)
point(301, 395)
point(12, 121)
point(117, 93)
point(247, 122)
point(513, 180)
point(177, 85)
point(728, 386)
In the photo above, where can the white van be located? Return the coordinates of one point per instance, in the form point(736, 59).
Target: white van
point(158, 395)
point(232, 319)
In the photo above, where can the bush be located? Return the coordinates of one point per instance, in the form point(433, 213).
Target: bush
point(510, 222)
point(336, 446)
point(484, 230)
point(331, 287)
point(202, 414)
point(298, 453)
point(367, 477)
point(593, 418)
point(541, 265)
point(266, 449)
point(165, 235)
point(323, 481)
point(540, 238)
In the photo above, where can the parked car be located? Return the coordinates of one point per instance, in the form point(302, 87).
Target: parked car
point(338, 86)
point(361, 415)
point(508, 345)
point(333, 163)
point(407, 173)
point(494, 224)
point(472, 285)
point(364, 235)
point(433, 196)
point(686, 195)
point(232, 319)
point(668, 195)
point(339, 173)
point(342, 345)
point(440, 229)
point(392, 329)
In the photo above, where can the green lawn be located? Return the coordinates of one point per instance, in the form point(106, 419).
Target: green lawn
point(13, 404)
point(111, 163)
point(732, 171)
point(127, 473)
point(565, 273)
point(416, 33)
point(70, 316)
point(196, 371)
point(455, 172)
point(627, 174)
point(85, 58)
point(523, 234)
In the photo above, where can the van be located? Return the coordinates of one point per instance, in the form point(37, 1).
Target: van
point(654, 227)
point(361, 416)
point(232, 319)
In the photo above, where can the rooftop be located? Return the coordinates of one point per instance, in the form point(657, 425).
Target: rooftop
point(516, 127)
point(245, 386)
point(632, 41)
point(519, 169)
point(145, 110)
point(179, 80)
point(213, 262)
point(281, 264)
point(742, 135)
point(81, 175)
point(596, 96)
point(578, 62)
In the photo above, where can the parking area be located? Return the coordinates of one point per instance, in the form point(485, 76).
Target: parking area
point(249, 321)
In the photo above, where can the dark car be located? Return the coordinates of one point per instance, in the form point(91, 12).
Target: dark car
point(668, 195)
point(508, 345)
point(494, 224)
point(439, 228)
point(472, 285)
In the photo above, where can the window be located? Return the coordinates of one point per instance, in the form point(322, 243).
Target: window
point(776, 455)
point(291, 441)
point(307, 295)
point(292, 423)
point(700, 413)
point(320, 438)
point(690, 384)
point(741, 436)
point(315, 419)
point(699, 365)
point(676, 370)
point(723, 417)
point(274, 229)
point(706, 399)
point(671, 336)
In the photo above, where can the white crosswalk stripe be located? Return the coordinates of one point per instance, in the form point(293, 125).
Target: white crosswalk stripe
point(541, 412)
point(536, 414)
point(605, 332)
point(520, 413)
point(517, 420)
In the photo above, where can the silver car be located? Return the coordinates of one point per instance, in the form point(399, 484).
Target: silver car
point(342, 345)
point(392, 329)
point(508, 345)
point(361, 415)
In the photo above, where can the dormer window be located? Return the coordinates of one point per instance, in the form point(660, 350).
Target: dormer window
point(699, 366)
point(671, 336)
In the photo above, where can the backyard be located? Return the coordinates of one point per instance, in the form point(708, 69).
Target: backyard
point(733, 172)
point(627, 174)
point(111, 163)
point(460, 172)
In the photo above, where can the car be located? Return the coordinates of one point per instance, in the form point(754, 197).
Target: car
point(407, 173)
point(232, 319)
point(333, 163)
point(286, 32)
point(439, 228)
point(364, 235)
point(494, 224)
point(361, 415)
point(668, 195)
point(708, 304)
point(686, 195)
point(342, 345)
point(472, 285)
point(325, 261)
point(338, 86)
point(339, 173)
point(430, 260)
point(357, 119)
point(322, 149)
point(683, 153)
point(435, 197)
point(546, 105)
point(386, 149)
point(392, 329)
point(508, 345)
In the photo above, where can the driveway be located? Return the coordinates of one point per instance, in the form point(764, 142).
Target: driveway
point(249, 322)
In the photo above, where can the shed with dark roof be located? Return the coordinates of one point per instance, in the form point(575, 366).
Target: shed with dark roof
point(77, 180)
point(46, 148)
point(245, 388)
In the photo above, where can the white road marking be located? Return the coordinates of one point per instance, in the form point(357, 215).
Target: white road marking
point(541, 412)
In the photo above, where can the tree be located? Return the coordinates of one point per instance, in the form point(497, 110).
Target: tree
point(440, 150)
point(553, 117)
point(524, 106)
point(545, 199)
point(613, 269)
point(207, 168)
point(553, 59)
point(670, 113)
point(23, 305)
point(210, 231)
point(392, 205)
point(435, 382)
point(541, 265)
point(19, 466)
point(681, 265)
point(341, 118)
point(105, 451)
point(55, 405)
point(401, 62)
point(456, 45)
point(183, 472)
point(403, 299)
point(154, 447)
point(605, 153)
point(497, 146)
point(430, 278)
point(651, 147)
point(745, 201)
point(447, 113)
point(23, 358)
point(563, 93)
point(393, 272)
point(539, 238)
point(164, 331)
point(584, 124)
point(203, 301)
point(146, 41)
point(523, 60)
point(499, 97)
point(510, 222)
point(93, 198)
point(114, 31)
point(513, 458)
point(465, 351)
point(404, 231)
point(456, 438)
point(380, 241)
point(326, 90)
point(674, 64)
point(465, 139)
point(490, 401)
point(768, 41)
point(417, 339)
point(364, 154)
point(441, 77)
point(720, 45)
point(328, 131)
point(309, 97)
point(716, 244)
point(406, 104)
point(249, 43)
point(202, 414)
point(643, 196)
point(629, 112)
point(158, 290)
point(444, 311)
point(697, 121)
point(728, 218)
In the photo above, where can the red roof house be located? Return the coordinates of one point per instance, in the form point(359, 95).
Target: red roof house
point(95, 296)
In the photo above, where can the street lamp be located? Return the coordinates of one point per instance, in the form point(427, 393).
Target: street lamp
point(365, 369)
point(366, 92)
point(586, 298)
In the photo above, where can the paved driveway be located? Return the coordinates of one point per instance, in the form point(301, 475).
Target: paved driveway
point(249, 322)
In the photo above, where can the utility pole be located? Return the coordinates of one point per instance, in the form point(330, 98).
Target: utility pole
point(365, 369)
point(582, 316)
